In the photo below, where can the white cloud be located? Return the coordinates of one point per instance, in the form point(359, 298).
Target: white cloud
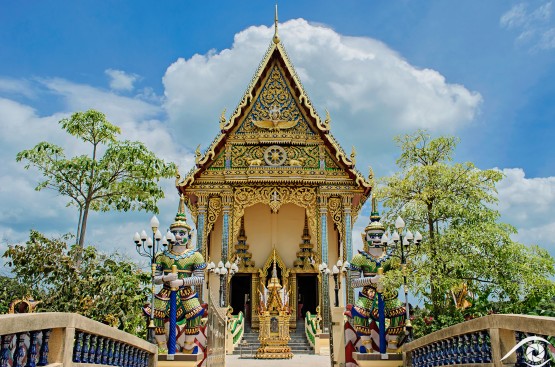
point(120, 80)
point(21, 127)
point(15, 86)
point(366, 86)
point(529, 205)
point(535, 27)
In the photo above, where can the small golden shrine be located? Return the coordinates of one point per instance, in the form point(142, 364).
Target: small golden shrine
point(274, 319)
point(25, 305)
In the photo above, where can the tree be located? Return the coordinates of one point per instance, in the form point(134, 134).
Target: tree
point(105, 288)
point(125, 177)
point(453, 205)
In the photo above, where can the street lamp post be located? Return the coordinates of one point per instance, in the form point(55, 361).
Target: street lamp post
point(338, 268)
point(149, 247)
point(403, 242)
point(225, 272)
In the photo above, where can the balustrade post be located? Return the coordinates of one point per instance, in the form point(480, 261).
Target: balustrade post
point(68, 339)
point(5, 352)
point(19, 353)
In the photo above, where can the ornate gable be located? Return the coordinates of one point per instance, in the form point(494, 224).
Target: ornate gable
point(275, 136)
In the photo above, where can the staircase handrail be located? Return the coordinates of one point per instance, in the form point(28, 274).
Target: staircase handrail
point(216, 332)
point(310, 328)
point(482, 341)
point(68, 338)
point(237, 327)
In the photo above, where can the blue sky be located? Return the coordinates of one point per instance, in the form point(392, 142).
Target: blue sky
point(164, 71)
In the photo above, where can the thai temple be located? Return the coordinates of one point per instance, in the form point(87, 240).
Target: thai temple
point(275, 178)
point(272, 200)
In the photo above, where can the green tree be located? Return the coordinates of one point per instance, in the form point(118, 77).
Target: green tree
point(120, 175)
point(453, 205)
point(106, 288)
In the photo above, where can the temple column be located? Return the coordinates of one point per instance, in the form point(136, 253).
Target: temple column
point(323, 202)
point(201, 237)
point(255, 298)
point(293, 304)
point(227, 201)
point(348, 255)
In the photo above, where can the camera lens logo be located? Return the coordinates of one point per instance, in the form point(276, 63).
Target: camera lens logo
point(535, 354)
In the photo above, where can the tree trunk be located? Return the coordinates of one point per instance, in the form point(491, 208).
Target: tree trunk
point(77, 234)
point(81, 243)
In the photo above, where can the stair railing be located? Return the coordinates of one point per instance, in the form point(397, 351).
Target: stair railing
point(310, 328)
point(216, 332)
point(65, 339)
point(493, 340)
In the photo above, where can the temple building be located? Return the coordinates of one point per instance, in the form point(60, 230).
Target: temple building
point(275, 178)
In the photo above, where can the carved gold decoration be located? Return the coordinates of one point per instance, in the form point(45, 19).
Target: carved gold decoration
point(275, 201)
point(297, 162)
point(336, 211)
point(214, 209)
point(330, 162)
point(275, 155)
point(242, 249)
point(246, 156)
point(274, 313)
point(275, 107)
point(353, 155)
point(255, 162)
point(275, 120)
point(25, 305)
point(223, 120)
point(249, 195)
point(306, 256)
point(219, 163)
point(325, 126)
point(197, 155)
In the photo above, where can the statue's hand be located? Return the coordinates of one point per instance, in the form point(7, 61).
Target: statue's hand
point(176, 283)
point(169, 278)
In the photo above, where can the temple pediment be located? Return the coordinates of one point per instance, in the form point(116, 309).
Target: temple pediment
point(275, 135)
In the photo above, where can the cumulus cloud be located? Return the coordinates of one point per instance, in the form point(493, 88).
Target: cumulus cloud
point(120, 80)
point(529, 205)
point(535, 27)
point(366, 86)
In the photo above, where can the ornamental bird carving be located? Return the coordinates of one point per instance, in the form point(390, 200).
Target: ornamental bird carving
point(275, 121)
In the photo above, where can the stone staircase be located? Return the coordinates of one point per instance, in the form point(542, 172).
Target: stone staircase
point(298, 343)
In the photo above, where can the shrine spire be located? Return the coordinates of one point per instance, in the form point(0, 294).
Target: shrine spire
point(276, 37)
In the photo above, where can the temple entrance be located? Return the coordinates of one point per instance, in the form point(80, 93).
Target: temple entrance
point(307, 290)
point(240, 295)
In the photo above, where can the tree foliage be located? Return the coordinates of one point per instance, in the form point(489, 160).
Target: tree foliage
point(120, 175)
point(453, 205)
point(102, 287)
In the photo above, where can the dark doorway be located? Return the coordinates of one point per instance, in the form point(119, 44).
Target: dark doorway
point(240, 294)
point(307, 291)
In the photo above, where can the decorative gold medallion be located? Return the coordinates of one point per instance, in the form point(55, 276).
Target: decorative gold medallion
point(275, 156)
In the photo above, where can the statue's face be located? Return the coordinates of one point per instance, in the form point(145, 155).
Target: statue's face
point(182, 236)
point(374, 239)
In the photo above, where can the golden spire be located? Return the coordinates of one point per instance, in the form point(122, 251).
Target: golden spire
point(373, 203)
point(276, 37)
point(180, 217)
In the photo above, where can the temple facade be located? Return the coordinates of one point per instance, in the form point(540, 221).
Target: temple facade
point(275, 178)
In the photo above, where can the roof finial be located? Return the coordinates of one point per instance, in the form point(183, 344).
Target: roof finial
point(276, 37)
